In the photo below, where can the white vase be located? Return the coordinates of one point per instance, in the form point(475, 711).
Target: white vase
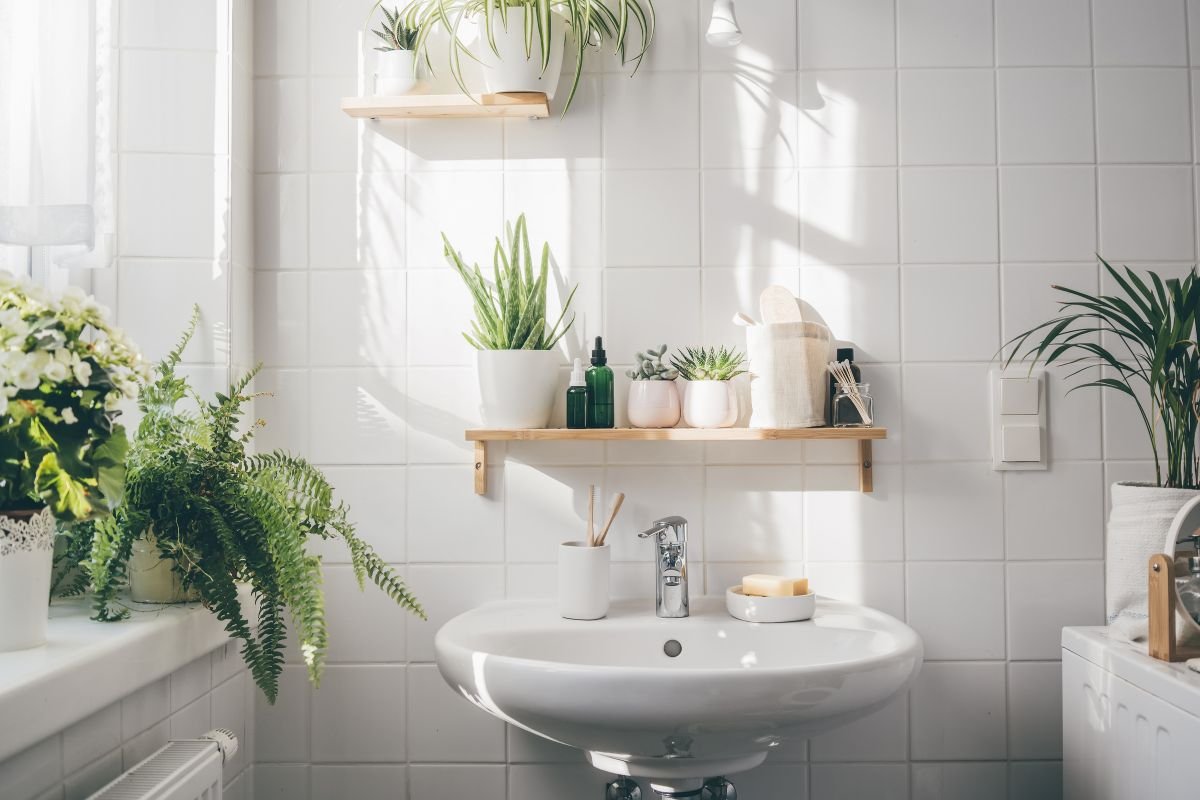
point(26, 561)
point(517, 387)
point(152, 578)
point(653, 404)
point(709, 404)
point(396, 72)
point(514, 71)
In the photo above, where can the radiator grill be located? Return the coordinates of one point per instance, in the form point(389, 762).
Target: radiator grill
point(189, 769)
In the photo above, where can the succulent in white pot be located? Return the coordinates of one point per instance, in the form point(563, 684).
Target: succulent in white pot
point(653, 397)
point(1148, 351)
point(516, 357)
point(709, 399)
point(522, 42)
point(396, 64)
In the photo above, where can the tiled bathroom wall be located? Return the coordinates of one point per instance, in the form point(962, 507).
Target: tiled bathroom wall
point(920, 171)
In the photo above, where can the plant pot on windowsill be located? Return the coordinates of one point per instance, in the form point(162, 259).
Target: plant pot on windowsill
point(152, 578)
point(26, 563)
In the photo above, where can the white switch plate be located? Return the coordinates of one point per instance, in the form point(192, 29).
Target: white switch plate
point(1018, 419)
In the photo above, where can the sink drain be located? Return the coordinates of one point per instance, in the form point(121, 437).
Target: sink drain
point(672, 648)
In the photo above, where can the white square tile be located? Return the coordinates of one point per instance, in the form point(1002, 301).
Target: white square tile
point(356, 318)
point(958, 712)
point(1146, 214)
point(948, 781)
point(748, 123)
point(285, 407)
point(443, 726)
point(381, 227)
point(190, 682)
point(769, 43)
point(1142, 115)
point(280, 39)
point(357, 416)
point(358, 714)
point(440, 311)
point(944, 33)
point(754, 513)
point(750, 218)
point(281, 781)
point(466, 207)
point(166, 24)
point(334, 139)
point(1035, 710)
point(446, 591)
point(564, 210)
point(375, 500)
point(635, 316)
point(446, 145)
point(384, 781)
point(1045, 116)
point(847, 118)
point(836, 34)
point(676, 41)
point(772, 781)
point(572, 141)
point(175, 286)
point(848, 216)
point(192, 721)
point(651, 122)
point(973, 315)
point(1047, 213)
point(950, 628)
point(145, 707)
point(1074, 419)
point(1032, 33)
point(1036, 780)
point(347, 606)
point(545, 782)
point(281, 318)
point(281, 731)
point(166, 206)
point(1055, 514)
point(545, 506)
point(1148, 33)
point(651, 219)
point(280, 222)
point(333, 47)
point(953, 511)
point(436, 782)
point(281, 124)
point(91, 737)
point(32, 770)
point(861, 305)
point(1029, 298)
point(1045, 597)
point(651, 493)
point(948, 215)
point(881, 736)
point(851, 781)
point(844, 524)
point(172, 102)
point(474, 532)
point(442, 401)
point(333, 220)
point(947, 116)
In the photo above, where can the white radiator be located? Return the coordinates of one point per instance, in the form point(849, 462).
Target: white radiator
point(188, 769)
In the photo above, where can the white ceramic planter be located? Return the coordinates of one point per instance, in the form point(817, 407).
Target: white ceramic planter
point(26, 561)
point(152, 579)
point(514, 71)
point(653, 404)
point(709, 404)
point(583, 580)
point(395, 72)
point(517, 387)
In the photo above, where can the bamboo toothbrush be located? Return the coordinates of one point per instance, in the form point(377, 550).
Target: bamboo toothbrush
point(612, 514)
point(591, 529)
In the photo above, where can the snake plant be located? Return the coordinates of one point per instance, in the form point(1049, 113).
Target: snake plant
point(592, 22)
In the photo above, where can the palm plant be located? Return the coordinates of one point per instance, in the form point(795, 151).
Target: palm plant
point(510, 313)
point(708, 363)
point(1148, 350)
point(393, 33)
point(592, 22)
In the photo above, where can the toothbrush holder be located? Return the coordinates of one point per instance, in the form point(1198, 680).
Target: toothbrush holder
point(583, 580)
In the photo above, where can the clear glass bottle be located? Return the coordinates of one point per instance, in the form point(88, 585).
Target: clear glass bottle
point(1187, 583)
point(846, 413)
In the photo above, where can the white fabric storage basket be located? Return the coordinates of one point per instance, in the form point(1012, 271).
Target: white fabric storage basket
point(788, 379)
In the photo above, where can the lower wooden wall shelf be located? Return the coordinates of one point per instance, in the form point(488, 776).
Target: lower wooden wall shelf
point(864, 437)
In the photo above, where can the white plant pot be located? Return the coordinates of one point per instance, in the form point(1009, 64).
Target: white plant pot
point(26, 561)
point(514, 71)
point(152, 578)
point(517, 387)
point(396, 72)
point(653, 404)
point(709, 404)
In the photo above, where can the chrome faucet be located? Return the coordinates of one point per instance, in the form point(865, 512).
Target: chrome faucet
point(671, 581)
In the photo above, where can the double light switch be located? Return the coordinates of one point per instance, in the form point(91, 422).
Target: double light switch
point(1018, 419)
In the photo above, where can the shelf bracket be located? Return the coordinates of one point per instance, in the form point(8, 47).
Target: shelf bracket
point(480, 467)
point(866, 475)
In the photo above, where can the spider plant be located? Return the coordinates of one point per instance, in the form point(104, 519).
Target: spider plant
point(592, 21)
point(708, 363)
point(510, 313)
point(393, 33)
point(1148, 351)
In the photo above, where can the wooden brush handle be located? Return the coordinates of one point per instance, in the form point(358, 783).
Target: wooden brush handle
point(616, 506)
point(591, 529)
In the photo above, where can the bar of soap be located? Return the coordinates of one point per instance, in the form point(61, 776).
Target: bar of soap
point(773, 586)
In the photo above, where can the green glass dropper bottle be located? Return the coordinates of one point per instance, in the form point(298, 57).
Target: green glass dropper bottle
point(577, 398)
point(600, 389)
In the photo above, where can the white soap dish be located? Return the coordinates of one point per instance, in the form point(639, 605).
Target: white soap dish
point(769, 609)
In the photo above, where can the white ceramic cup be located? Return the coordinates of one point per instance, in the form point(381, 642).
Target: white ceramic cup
point(583, 580)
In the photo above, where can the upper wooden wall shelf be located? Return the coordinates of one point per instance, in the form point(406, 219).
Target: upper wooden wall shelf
point(533, 105)
point(864, 437)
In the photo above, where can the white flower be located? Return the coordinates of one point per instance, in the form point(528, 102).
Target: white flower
point(56, 372)
point(83, 372)
point(26, 375)
point(68, 415)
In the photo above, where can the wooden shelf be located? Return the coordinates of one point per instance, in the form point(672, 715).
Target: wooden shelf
point(532, 105)
point(864, 437)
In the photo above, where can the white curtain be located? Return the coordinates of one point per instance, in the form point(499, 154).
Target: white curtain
point(57, 62)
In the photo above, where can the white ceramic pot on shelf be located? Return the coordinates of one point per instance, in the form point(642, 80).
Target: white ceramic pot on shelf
point(517, 387)
point(653, 404)
point(26, 562)
point(514, 71)
point(152, 578)
point(396, 72)
point(709, 404)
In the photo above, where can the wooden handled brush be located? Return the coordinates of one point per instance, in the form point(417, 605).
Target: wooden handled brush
point(616, 506)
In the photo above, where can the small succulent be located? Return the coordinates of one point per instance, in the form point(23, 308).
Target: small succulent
point(395, 36)
point(708, 363)
point(650, 367)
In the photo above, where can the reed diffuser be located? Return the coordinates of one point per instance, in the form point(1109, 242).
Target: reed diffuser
point(852, 406)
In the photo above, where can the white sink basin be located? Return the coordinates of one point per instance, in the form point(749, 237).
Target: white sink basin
point(734, 691)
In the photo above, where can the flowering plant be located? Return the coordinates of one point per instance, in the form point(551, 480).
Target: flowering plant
point(63, 372)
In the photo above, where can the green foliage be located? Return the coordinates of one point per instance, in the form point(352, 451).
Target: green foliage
point(650, 366)
point(393, 33)
point(592, 23)
point(708, 363)
point(1147, 350)
point(510, 314)
point(225, 516)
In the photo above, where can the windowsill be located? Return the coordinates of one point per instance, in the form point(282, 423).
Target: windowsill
point(86, 665)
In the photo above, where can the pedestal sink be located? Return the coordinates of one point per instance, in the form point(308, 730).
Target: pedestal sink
point(676, 700)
